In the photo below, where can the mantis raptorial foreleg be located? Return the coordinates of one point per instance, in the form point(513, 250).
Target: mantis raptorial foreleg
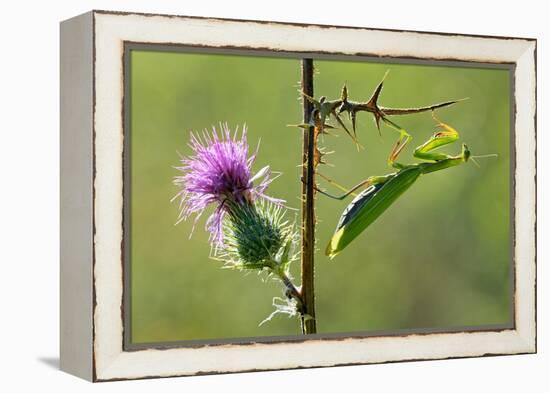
point(445, 136)
point(440, 138)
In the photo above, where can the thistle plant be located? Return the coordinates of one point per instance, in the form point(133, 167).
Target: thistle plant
point(248, 228)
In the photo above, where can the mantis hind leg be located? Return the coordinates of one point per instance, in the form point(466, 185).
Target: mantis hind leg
point(363, 184)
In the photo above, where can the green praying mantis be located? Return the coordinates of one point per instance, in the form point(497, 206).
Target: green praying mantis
point(382, 191)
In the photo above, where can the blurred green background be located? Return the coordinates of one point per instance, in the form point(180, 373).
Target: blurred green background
point(439, 258)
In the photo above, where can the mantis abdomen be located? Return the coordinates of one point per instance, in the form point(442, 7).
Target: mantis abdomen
point(368, 206)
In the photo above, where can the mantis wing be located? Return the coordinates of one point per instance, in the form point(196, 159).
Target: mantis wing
point(367, 207)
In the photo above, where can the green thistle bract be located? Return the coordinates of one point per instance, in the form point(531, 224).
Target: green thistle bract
point(256, 236)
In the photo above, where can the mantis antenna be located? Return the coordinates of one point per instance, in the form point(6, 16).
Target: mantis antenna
point(473, 158)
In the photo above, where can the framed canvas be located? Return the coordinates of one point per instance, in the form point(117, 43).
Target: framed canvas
point(245, 195)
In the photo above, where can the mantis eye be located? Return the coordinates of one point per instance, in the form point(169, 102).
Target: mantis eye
point(466, 152)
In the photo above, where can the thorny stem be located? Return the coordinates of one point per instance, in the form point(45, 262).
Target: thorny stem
point(307, 290)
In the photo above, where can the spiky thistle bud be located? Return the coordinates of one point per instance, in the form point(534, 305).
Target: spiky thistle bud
point(257, 236)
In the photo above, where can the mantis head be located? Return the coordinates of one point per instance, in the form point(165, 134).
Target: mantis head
point(466, 154)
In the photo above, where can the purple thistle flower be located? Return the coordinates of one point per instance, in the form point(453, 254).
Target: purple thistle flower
point(219, 173)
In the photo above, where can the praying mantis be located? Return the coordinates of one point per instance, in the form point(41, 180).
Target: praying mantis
point(382, 191)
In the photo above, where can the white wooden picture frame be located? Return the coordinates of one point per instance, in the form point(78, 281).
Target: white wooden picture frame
point(92, 194)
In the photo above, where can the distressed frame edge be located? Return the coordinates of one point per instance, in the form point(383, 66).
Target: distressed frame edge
point(527, 339)
point(76, 196)
point(304, 24)
point(525, 95)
